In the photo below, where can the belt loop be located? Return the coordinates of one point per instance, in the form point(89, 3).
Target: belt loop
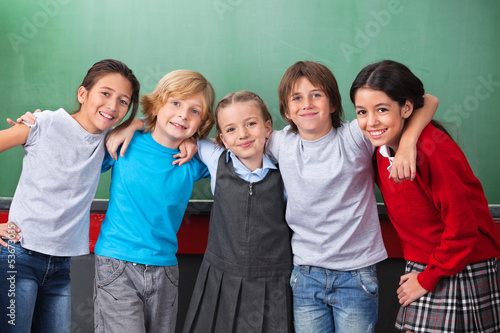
point(305, 269)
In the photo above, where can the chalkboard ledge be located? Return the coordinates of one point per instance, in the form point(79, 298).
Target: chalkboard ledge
point(203, 207)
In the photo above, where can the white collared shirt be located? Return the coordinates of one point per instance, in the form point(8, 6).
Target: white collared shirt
point(209, 154)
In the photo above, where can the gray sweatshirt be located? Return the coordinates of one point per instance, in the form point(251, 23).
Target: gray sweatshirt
point(60, 174)
point(331, 204)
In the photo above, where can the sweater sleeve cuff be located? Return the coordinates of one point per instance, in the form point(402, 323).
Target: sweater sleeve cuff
point(429, 278)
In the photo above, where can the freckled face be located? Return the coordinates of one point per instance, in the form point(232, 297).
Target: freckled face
point(380, 117)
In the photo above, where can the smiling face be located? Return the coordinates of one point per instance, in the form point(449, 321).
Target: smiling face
point(381, 118)
point(309, 108)
point(244, 131)
point(177, 120)
point(105, 104)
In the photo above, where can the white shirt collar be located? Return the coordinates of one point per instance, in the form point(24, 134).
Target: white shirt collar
point(266, 163)
point(384, 151)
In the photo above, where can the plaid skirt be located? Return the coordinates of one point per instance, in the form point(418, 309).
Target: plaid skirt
point(465, 302)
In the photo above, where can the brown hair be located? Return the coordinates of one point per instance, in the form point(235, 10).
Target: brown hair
point(110, 66)
point(180, 84)
point(321, 77)
point(243, 96)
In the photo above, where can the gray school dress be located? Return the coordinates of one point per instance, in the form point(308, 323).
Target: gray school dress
point(243, 283)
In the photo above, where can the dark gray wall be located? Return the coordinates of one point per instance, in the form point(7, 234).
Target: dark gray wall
point(82, 276)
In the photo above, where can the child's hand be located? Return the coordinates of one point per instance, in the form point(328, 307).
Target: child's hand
point(410, 289)
point(188, 150)
point(404, 165)
point(10, 231)
point(122, 136)
point(119, 136)
point(27, 117)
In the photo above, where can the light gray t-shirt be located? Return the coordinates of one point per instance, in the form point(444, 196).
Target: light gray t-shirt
point(331, 197)
point(61, 170)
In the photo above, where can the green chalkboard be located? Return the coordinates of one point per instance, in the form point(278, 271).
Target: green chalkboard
point(452, 45)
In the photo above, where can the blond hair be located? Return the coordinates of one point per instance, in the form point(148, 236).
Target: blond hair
point(180, 84)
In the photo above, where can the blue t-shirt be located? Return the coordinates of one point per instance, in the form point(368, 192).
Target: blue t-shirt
point(148, 198)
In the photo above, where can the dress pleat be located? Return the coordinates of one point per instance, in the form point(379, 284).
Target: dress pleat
point(250, 312)
point(204, 300)
point(228, 303)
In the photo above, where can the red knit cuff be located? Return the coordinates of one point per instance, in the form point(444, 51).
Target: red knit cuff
point(429, 278)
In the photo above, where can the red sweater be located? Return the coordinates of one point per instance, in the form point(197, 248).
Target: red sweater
point(442, 217)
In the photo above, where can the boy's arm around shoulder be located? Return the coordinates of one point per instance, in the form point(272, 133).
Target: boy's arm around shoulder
point(404, 165)
point(28, 117)
point(188, 149)
point(205, 150)
point(122, 135)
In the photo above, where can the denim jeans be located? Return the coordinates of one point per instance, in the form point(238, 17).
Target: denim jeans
point(130, 297)
point(35, 293)
point(334, 301)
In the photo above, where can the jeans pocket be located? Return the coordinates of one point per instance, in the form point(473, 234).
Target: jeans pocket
point(294, 277)
point(13, 250)
point(107, 270)
point(172, 273)
point(368, 281)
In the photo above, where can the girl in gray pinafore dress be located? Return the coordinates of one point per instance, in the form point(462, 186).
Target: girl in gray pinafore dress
point(243, 283)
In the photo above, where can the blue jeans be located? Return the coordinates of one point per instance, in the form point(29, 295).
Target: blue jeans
point(35, 293)
point(334, 301)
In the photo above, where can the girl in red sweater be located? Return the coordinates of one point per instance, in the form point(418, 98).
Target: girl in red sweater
point(442, 218)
